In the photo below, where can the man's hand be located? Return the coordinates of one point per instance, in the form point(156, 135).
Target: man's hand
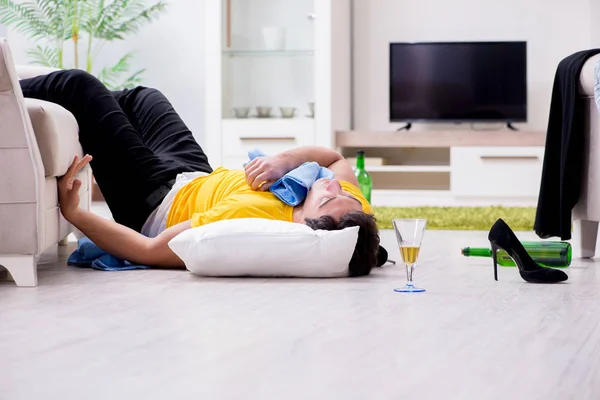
point(262, 172)
point(68, 187)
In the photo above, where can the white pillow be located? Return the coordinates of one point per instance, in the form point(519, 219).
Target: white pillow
point(267, 248)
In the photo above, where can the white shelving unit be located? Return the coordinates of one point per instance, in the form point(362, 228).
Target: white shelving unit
point(450, 168)
point(268, 53)
point(242, 71)
point(409, 168)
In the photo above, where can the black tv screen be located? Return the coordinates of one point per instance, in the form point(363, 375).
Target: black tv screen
point(458, 82)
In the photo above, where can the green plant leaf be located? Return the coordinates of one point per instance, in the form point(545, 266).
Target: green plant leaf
point(127, 20)
point(91, 23)
point(104, 17)
point(27, 18)
point(57, 13)
point(112, 77)
point(144, 16)
point(44, 55)
point(133, 80)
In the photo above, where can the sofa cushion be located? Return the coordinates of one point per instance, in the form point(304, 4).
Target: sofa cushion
point(57, 135)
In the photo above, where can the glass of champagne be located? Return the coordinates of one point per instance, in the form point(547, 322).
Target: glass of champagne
point(409, 233)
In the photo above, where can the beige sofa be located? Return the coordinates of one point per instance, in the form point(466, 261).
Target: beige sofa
point(586, 213)
point(38, 141)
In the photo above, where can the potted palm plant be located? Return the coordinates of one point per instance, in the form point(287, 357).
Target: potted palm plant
point(87, 25)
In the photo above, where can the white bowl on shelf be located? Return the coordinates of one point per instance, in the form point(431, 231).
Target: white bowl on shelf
point(263, 112)
point(287, 112)
point(241, 112)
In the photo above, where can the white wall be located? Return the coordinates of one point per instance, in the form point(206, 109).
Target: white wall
point(595, 20)
point(552, 28)
point(171, 50)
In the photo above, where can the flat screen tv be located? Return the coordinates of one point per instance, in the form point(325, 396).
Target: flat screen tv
point(458, 82)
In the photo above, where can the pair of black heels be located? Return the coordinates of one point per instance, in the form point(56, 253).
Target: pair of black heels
point(502, 237)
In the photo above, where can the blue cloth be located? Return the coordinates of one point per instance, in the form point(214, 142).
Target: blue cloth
point(89, 255)
point(293, 187)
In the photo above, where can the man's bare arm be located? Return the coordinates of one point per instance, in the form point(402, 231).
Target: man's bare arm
point(125, 243)
point(343, 171)
point(110, 236)
point(321, 155)
point(264, 171)
point(325, 157)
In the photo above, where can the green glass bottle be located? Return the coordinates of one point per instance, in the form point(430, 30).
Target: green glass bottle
point(364, 179)
point(547, 254)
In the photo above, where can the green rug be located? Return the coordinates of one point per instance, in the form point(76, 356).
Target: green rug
point(459, 218)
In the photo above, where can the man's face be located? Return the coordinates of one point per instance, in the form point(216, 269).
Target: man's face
point(326, 197)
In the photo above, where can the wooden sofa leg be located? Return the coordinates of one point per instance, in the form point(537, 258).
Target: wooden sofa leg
point(585, 234)
point(64, 242)
point(22, 269)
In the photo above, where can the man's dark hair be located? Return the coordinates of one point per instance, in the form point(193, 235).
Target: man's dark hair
point(367, 246)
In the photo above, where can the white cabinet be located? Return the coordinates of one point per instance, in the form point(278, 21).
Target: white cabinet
point(451, 168)
point(496, 171)
point(271, 136)
point(275, 53)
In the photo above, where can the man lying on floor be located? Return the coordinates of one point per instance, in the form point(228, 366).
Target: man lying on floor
point(157, 181)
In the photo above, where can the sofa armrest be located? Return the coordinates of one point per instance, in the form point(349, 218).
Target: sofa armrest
point(57, 135)
point(587, 77)
point(31, 71)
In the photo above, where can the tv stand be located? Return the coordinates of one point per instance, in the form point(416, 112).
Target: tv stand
point(439, 168)
point(407, 127)
point(510, 126)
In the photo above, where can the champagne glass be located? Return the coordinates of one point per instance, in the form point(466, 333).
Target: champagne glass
point(409, 233)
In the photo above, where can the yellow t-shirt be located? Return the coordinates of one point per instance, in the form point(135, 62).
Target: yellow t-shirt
point(224, 194)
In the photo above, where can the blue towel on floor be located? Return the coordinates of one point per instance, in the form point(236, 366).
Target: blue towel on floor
point(89, 255)
point(293, 187)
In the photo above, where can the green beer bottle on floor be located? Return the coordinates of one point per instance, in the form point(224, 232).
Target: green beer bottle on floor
point(547, 254)
point(364, 179)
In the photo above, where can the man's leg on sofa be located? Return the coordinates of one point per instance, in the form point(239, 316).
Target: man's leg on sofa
point(129, 173)
point(22, 269)
point(162, 129)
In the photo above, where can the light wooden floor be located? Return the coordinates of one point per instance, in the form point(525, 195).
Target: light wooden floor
point(86, 334)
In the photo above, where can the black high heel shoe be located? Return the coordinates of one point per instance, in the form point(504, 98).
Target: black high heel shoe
point(502, 237)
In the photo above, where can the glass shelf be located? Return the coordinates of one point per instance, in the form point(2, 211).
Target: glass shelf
point(274, 118)
point(268, 56)
point(268, 53)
